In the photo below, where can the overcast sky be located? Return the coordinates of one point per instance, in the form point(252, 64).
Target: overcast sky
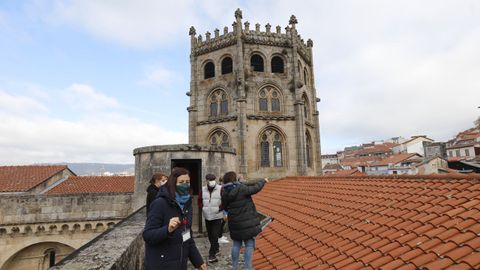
point(90, 80)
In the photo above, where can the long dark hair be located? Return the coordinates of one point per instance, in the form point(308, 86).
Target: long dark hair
point(229, 177)
point(172, 180)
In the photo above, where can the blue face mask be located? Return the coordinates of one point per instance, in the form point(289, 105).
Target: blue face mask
point(183, 189)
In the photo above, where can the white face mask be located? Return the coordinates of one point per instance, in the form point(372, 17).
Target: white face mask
point(212, 183)
point(163, 182)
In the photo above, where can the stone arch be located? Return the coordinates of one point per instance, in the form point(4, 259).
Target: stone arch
point(110, 224)
point(269, 99)
point(306, 77)
point(218, 102)
point(99, 227)
point(35, 248)
point(219, 136)
point(271, 147)
point(278, 64)
point(208, 69)
point(257, 61)
point(226, 64)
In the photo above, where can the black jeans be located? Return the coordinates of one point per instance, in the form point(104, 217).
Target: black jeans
point(213, 230)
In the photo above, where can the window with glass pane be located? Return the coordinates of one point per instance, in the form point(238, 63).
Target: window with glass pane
point(227, 65)
point(265, 158)
point(213, 109)
point(277, 152)
point(256, 61)
point(224, 105)
point(263, 104)
point(275, 105)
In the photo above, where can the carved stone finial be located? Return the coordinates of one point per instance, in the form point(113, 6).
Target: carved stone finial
point(192, 31)
point(268, 27)
point(207, 35)
point(310, 42)
point(293, 20)
point(287, 30)
point(217, 32)
point(225, 30)
point(238, 14)
point(257, 27)
point(279, 29)
point(199, 38)
point(247, 26)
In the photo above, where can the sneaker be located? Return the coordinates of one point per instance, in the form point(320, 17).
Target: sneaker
point(212, 259)
point(223, 240)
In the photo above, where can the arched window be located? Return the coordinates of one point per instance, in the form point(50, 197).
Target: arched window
point(306, 107)
point(227, 65)
point(49, 258)
point(271, 148)
point(219, 138)
point(277, 64)
point(209, 70)
point(256, 61)
point(305, 76)
point(218, 103)
point(269, 100)
point(308, 149)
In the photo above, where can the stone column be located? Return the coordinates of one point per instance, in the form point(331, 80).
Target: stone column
point(193, 92)
point(318, 152)
point(241, 95)
point(298, 104)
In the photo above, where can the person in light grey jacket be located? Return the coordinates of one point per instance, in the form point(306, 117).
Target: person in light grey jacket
point(212, 211)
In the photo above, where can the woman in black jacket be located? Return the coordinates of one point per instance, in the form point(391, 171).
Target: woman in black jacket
point(158, 180)
point(168, 233)
point(243, 219)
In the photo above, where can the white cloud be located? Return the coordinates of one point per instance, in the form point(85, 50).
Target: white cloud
point(14, 104)
point(84, 97)
point(160, 76)
point(35, 136)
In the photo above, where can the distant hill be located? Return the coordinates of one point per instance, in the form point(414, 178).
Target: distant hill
point(101, 168)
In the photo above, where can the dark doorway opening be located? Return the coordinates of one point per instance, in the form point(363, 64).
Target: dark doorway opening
point(194, 166)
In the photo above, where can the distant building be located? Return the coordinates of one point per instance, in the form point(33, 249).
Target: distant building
point(332, 168)
point(435, 164)
point(329, 159)
point(414, 145)
point(403, 163)
point(465, 146)
point(434, 149)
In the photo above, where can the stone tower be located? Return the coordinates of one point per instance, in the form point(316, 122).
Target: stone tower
point(254, 90)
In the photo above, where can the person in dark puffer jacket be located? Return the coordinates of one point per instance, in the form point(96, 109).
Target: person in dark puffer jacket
point(167, 233)
point(158, 180)
point(243, 219)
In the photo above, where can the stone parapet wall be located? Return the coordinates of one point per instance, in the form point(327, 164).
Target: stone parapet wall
point(121, 247)
point(25, 209)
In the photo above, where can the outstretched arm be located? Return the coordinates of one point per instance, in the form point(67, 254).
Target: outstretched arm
point(252, 189)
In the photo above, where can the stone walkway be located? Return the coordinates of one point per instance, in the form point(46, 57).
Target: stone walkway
point(224, 261)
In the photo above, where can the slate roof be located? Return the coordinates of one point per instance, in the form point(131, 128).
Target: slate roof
point(95, 184)
point(24, 178)
point(370, 222)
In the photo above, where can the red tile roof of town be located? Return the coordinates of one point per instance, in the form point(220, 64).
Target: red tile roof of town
point(348, 172)
point(370, 222)
point(359, 161)
point(95, 184)
point(24, 178)
point(376, 148)
point(394, 159)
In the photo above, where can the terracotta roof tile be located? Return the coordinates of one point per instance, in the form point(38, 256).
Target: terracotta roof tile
point(370, 222)
point(95, 184)
point(24, 178)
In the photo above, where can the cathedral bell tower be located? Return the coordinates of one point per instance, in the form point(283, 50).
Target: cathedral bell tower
point(254, 90)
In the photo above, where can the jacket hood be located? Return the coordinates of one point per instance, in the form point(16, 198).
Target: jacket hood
point(152, 187)
point(231, 189)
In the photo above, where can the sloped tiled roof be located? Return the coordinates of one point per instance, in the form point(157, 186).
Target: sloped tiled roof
point(334, 166)
point(359, 161)
point(348, 172)
point(23, 178)
point(95, 184)
point(370, 222)
point(394, 159)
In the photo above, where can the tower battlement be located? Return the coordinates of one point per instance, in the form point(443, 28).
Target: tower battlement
point(202, 44)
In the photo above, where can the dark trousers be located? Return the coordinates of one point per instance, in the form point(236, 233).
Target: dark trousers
point(221, 229)
point(213, 230)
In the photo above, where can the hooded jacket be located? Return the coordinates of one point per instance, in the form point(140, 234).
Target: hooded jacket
point(152, 191)
point(164, 250)
point(243, 219)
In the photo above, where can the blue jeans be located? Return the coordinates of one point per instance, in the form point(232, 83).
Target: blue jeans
point(249, 247)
